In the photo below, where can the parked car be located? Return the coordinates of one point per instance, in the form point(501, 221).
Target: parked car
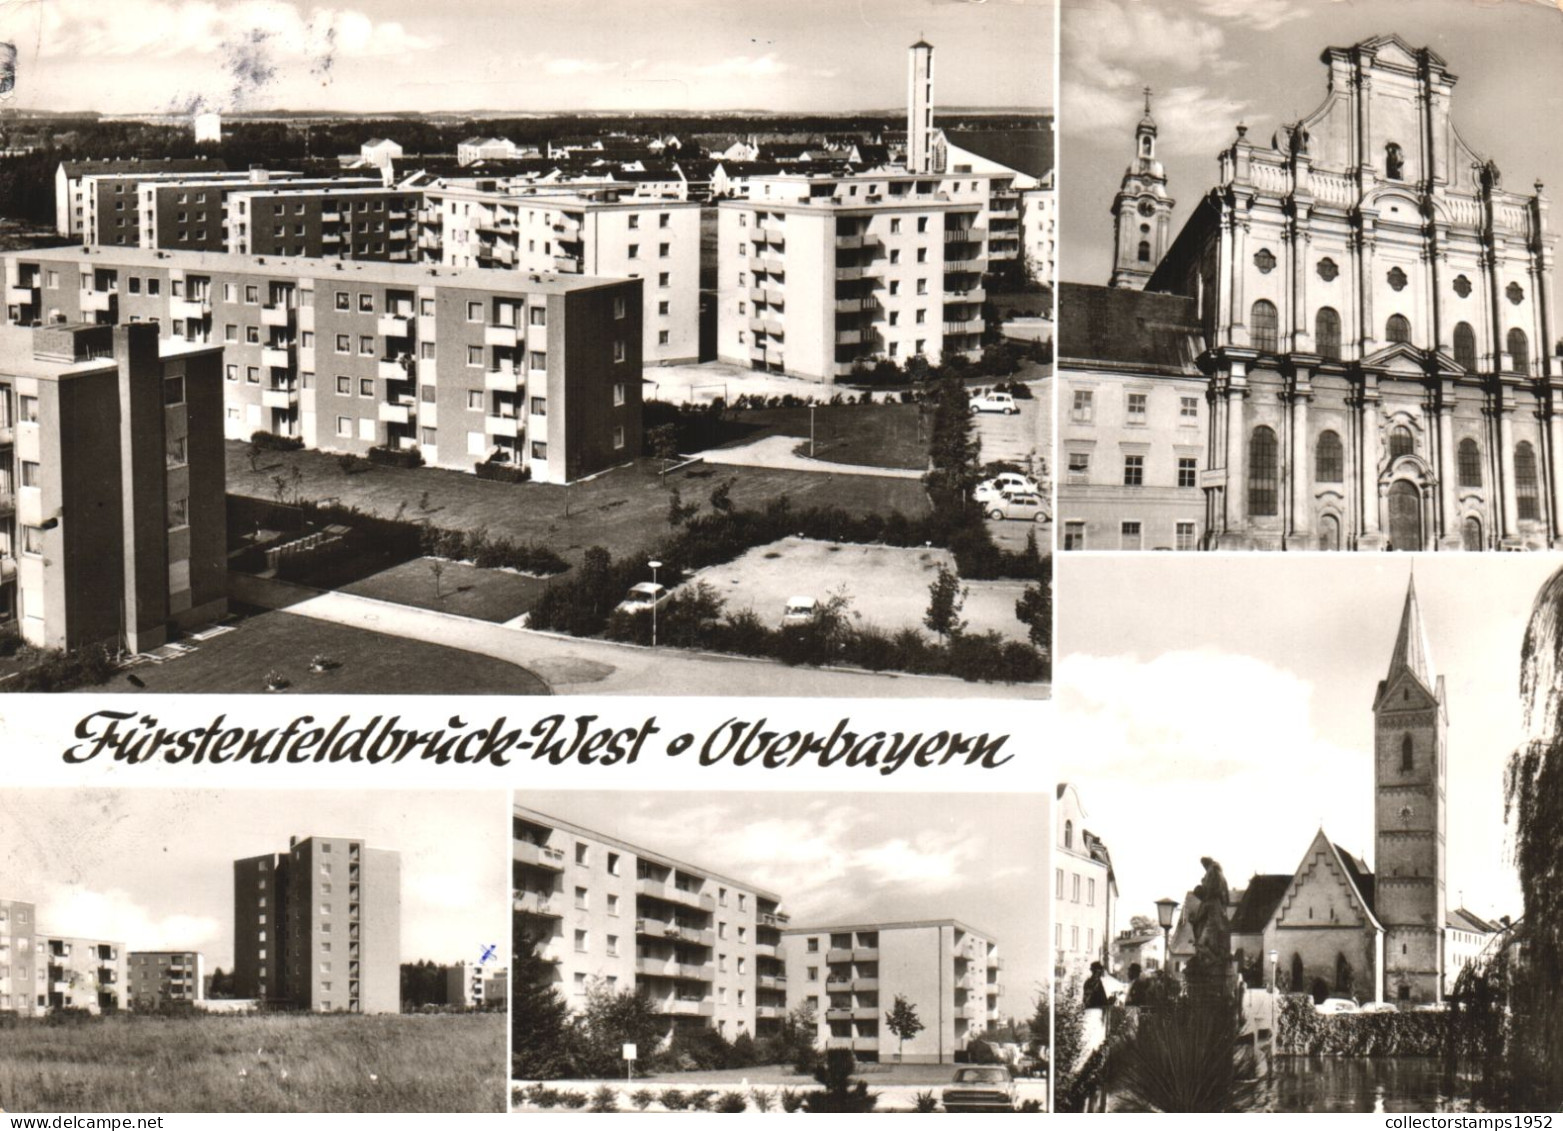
point(1336, 1005)
point(1015, 481)
point(1429, 1007)
point(1377, 1007)
point(800, 610)
point(1021, 505)
point(643, 597)
point(980, 1087)
point(995, 402)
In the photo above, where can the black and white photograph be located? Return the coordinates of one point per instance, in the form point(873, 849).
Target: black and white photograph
point(779, 952)
point(1307, 276)
point(1307, 843)
point(527, 348)
point(255, 950)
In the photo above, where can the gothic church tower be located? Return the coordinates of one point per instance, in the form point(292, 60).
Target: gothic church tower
point(1142, 210)
point(1409, 777)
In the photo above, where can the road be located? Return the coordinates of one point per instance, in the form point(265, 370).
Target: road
point(573, 666)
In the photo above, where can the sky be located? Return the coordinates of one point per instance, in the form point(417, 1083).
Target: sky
point(523, 55)
point(838, 858)
point(1214, 63)
point(1235, 719)
point(153, 869)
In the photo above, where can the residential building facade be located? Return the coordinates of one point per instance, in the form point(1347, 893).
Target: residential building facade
point(197, 214)
point(318, 928)
point(112, 506)
point(111, 201)
point(20, 961)
point(41, 972)
point(70, 193)
point(161, 978)
point(324, 221)
point(1085, 892)
point(536, 371)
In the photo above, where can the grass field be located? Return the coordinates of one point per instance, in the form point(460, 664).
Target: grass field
point(891, 435)
point(441, 1062)
point(464, 590)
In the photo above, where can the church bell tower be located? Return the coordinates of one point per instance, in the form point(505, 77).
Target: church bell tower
point(1409, 779)
point(1142, 210)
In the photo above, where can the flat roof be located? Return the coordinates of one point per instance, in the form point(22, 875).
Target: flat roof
point(564, 194)
point(17, 360)
point(540, 818)
point(332, 189)
point(281, 266)
point(829, 204)
point(897, 925)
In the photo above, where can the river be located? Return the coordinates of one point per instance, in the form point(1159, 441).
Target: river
point(1405, 1084)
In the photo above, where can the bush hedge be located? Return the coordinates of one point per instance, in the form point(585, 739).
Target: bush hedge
point(502, 472)
point(396, 457)
point(1303, 1031)
point(58, 670)
point(270, 441)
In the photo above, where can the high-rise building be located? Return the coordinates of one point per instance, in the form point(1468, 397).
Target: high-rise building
point(921, 138)
point(318, 927)
point(19, 961)
point(161, 978)
point(112, 507)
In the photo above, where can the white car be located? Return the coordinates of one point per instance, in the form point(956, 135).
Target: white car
point(643, 597)
point(1331, 1005)
point(1377, 1007)
point(995, 402)
point(1015, 481)
point(800, 610)
point(1018, 505)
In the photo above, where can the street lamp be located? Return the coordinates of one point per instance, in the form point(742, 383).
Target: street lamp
point(1275, 974)
point(655, 565)
point(811, 429)
point(1165, 908)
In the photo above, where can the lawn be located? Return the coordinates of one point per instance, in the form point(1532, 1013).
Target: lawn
point(368, 663)
point(270, 1063)
point(465, 590)
point(624, 510)
point(878, 435)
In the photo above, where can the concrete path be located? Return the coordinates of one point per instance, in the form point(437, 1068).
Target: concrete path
point(777, 452)
point(572, 666)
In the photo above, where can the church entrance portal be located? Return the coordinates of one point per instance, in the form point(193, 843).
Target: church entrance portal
point(1405, 516)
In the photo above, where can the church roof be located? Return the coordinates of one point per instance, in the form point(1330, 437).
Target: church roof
point(1260, 899)
point(1124, 328)
point(1411, 649)
point(1357, 871)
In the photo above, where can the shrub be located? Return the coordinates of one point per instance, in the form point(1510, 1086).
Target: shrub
point(545, 1098)
point(761, 1099)
point(925, 1102)
point(840, 1093)
point(57, 670)
point(270, 441)
point(574, 1100)
point(396, 457)
point(643, 1098)
point(502, 472)
point(791, 1099)
point(351, 464)
point(979, 1051)
point(10, 641)
point(1184, 1056)
point(701, 1099)
point(605, 1099)
point(674, 1099)
point(732, 1101)
point(1031, 1105)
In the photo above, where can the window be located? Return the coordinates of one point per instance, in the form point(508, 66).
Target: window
point(344, 426)
point(1084, 406)
point(251, 335)
point(1397, 329)
point(344, 343)
point(1262, 473)
point(344, 386)
point(1464, 346)
point(662, 307)
point(1188, 408)
point(1188, 471)
point(1326, 333)
point(634, 251)
point(618, 308)
point(365, 303)
point(366, 386)
point(1185, 538)
point(581, 857)
point(580, 899)
point(1407, 762)
point(475, 357)
point(613, 905)
point(175, 451)
point(1079, 467)
point(619, 353)
point(1519, 351)
point(1470, 463)
point(252, 294)
point(618, 394)
point(1137, 403)
point(539, 406)
point(539, 449)
point(174, 391)
point(618, 437)
point(1263, 326)
point(1328, 459)
point(32, 540)
point(30, 469)
point(1134, 471)
point(475, 400)
point(1129, 536)
point(1401, 442)
point(1143, 254)
point(252, 374)
point(580, 941)
point(662, 281)
point(178, 513)
point(1525, 480)
point(1394, 162)
point(366, 345)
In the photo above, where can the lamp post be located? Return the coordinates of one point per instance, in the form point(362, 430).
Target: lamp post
point(1275, 974)
point(655, 565)
point(811, 429)
point(1165, 908)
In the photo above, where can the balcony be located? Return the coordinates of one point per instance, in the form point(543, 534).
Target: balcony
point(280, 396)
point(392, 369)
point(500, 336)
point(769, 919)
point(770, 233)
point(839, 954)
point(970, 326)
point(685, 1007)
point(396, 412)
point(766, 950)
point(850, 274)
point(973, 234)
point(102, 302)
point(838, 1014)
point(330, 217)
point(330, 237)
point(854, 305)
point(996, 962)
point(757, 352)
point(856, 242)
point(865, 954)
point(770, 1012)
point(953, 265)
point(7, 569)
point(865, 985)
point(504, 254)
point(503, 380)
point(22, 296)
point(538, 856)
point(508, 426)
point(277, 357)
point(537, 903)
point(7, 502)
point(567, 264)
point(856, 1044)
point(656, 889)
point(771, 981)
point(973, 294)
point(394, 325)
point(658, 968)
point(177, 307)
point(865, 1013)
point(995, 989)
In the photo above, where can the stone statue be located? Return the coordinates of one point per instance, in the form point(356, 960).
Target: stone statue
point(1211, 924)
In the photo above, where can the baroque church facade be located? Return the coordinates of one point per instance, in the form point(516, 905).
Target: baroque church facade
point(1369, 316)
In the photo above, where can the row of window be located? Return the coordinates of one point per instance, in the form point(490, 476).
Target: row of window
point(1074, 887)
point(1074, 938)
point(1131, 535)
point(1082, 409)
point(1264, 335)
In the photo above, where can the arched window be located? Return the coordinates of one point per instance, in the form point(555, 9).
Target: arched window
point(1069, 834)
point(1519, 350)
point(1464, 346)
point(1397, 329)
point(1264, 326)
point(1470, 460)
point(1297, 973)
point(1394, 162)
point(1263, 480)
point(1326, 333)
point(1329, 533)
point(1400, 442)
point(1525, 480)
point(1145, 251)
point(1406, 761)
point(1471, 533)
point(1328, 459)
point(1343, 975)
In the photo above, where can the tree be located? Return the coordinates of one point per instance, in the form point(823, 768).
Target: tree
point(680, 512)
point(953, 447)
point(437, 568)
point(1034, 609)
point(539, 1016)
point(610, 1020)
point(663, 443)
point(902, 1020)
point(841, 1092)
point(946, 598)
point(721, 495)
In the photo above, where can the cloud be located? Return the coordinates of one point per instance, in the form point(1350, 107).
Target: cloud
point(744, 67)
point(164, 29)
point(567, 67)
point(115, 916)
point(1265, 16)
point(1189, 120)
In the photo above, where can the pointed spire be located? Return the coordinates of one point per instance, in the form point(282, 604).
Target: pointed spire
point(1411, 650)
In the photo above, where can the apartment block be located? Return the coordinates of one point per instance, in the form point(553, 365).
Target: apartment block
point(41, 972)
point(161, 978)
point(535, 370)
point(111, 201)
point(70, 195)
point(19, 960)
point(112, 481)
point(818, 274)
point(195, 214)
point(851, 975)
point(706, 949)
point(325, 221)
point(580, 229)
point(318, 928)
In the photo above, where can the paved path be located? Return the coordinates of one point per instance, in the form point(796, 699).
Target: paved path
point(595, 667)
point(777, 452)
